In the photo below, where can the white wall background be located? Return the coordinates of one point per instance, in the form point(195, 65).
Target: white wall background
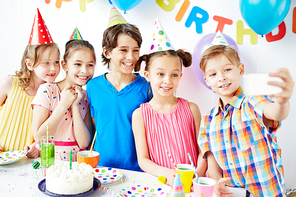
point(16, 19)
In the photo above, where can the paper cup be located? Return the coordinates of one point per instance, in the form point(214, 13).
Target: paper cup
point(257, 84)
point(93, 160)
point(204, 187)
point(186, 173)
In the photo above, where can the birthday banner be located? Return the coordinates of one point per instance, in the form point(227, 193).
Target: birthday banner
point(271, 16)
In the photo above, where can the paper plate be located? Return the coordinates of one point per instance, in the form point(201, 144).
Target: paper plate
point(140, 190)
point(107, 175)
point(11, 156)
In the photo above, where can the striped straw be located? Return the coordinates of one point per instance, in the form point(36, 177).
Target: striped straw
point(47, 126)
point(92, 144)
point(173, 162)
point(193, 167)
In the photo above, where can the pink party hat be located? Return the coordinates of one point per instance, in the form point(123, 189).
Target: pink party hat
point(160, 40)
point(115, 17)
point(177, 188)
point(76, 35)
point(39, 33)
point(219, 40)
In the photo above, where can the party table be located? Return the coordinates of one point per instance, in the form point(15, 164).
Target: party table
point(16, 180)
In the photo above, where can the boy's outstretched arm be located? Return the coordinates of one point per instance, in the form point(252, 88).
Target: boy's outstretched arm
point(215, 172)
point(279, 110)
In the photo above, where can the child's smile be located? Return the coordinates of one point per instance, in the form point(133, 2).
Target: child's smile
point(223, 77)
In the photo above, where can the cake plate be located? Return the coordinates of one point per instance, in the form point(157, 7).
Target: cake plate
point(42, 188)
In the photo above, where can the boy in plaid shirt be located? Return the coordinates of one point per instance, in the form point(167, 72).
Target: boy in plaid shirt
point(238, 137)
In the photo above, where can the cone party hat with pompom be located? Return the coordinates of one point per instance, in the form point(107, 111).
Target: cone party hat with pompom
point(76, 35)
point(115, 17)
point(177, 188)
point(219, 40)
point(160, 40)
point(39, 34)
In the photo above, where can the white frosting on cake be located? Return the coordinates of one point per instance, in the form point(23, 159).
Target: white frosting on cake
point(61, 180)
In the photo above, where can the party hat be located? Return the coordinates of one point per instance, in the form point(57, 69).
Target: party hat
point(76, 35)
point(177, 188)
point(160, 41)
point(115, 17)
point(39, 33)
point(219, 40)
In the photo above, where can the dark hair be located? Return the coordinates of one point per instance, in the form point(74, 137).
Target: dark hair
point(74, 45)
point(110, 37)
point(33, 53)
point(185, 58)
point(214, 51)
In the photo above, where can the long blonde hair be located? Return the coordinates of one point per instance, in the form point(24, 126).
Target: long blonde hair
point(33, 53)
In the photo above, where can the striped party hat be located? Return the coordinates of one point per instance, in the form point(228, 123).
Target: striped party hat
point(39, 34)
point(177, 188)
point(76, 35)
point(219, 40)
point(115, 17)
point(160, 40)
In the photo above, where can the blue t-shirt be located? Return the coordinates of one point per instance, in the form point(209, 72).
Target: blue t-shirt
point(113, 111)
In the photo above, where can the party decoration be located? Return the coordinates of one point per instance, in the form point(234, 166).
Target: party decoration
point(200, 47)
point(76, 35)
point(39, 34)
point(115, 17)
point(219, 40)
point(264, 16)
point(177, 188)
point(160, 40)
point(126, 4)
point(35, 164)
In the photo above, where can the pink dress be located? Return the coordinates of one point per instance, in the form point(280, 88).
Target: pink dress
point(49, 96)
point(174, 131)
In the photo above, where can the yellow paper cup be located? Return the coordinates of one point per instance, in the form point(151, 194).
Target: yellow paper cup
point(186, 173)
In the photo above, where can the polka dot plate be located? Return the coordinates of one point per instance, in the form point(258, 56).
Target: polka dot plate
point(107, 175)
point(11, 156)
point(140, 190)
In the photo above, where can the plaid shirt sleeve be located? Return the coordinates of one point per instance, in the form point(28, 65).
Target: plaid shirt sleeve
point(257, 104)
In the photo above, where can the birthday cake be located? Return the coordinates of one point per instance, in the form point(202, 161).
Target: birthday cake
point(61, 180)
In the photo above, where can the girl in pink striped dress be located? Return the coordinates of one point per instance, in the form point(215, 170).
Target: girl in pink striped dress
point(166, 122)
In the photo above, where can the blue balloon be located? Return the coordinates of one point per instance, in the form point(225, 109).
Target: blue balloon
point(263, 16)
point(126, 4)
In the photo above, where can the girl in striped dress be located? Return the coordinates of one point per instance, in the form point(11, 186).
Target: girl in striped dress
point(166, 121)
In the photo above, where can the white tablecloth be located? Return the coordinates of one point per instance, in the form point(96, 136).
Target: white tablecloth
point(16, 180)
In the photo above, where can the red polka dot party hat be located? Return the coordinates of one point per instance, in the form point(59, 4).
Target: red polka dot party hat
point(160, 40)
point(76, 35)
point(39, 34)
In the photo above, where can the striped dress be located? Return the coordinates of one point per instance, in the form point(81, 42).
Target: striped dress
point(174, 131)
point(16, 118)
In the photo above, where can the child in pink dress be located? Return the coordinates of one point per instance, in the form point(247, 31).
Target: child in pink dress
point(166, 122)
point(64, 105)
